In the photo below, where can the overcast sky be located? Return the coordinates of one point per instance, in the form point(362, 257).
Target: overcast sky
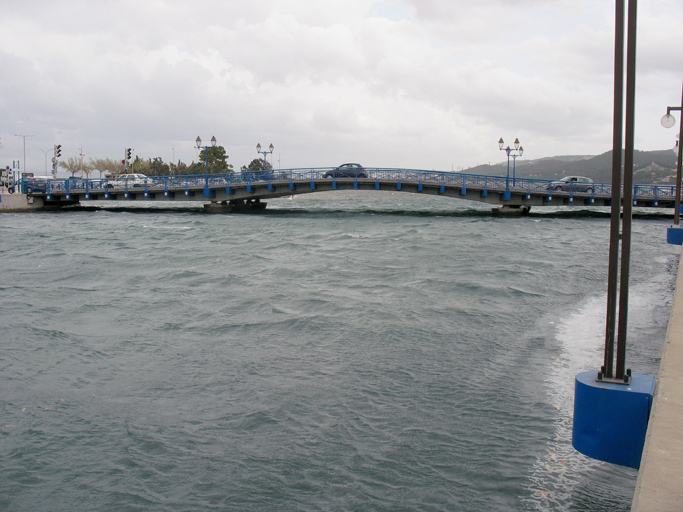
point(427, 84)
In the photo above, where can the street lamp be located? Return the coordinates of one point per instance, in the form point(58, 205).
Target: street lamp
point(46, 151)
point(24, 136)
point(264, 152)
point(510, 153)
point(207, 191)
point(667, 122)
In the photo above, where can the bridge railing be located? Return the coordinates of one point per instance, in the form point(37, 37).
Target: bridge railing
point(448, 179)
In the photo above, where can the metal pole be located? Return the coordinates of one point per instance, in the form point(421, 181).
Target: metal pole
point(514, 169)
point(628, 188)
point(677, 212)
point(24, 136)
point(206, 174)
point(613, 271)
point(507, 179)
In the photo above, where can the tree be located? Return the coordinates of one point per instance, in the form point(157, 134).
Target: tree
point(256, 165)
point(217, 160)
point(196, 168)
point(157, 167)
point(180, 169)
point(107, 166)
point(139, 166)
point(76, 165)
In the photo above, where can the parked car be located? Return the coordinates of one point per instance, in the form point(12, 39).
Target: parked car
point(347, 171)
point(573, 184)
point(36, 184)
point(127, 180)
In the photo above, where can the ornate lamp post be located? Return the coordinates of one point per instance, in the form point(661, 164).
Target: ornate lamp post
point(667, 122)
point(511, 153)
point(207, 191)
point(264, 152)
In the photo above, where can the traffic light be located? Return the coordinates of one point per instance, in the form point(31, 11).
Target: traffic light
point(58, 150)
point(128, 153)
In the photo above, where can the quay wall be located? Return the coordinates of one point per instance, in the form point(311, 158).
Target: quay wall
point(19, 203)
point(659, 487)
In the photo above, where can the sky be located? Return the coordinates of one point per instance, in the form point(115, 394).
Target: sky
point(423, 84)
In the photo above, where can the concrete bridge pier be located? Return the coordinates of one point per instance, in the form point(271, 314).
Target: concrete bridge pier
point(235, 206)
point(511, 209)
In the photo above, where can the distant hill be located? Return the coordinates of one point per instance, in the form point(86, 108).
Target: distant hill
point(648, 167)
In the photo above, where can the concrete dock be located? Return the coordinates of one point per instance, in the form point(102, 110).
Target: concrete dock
point(659, 487)
point(19, 202)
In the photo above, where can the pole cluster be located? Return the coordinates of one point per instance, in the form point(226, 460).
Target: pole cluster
point(621, 213)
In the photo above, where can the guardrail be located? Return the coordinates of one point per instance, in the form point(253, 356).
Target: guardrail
point(449, 179)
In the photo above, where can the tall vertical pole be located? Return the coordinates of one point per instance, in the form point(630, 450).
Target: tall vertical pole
point(677, 212)
point(617, 127)
point(514, 169)
point(206, 172)
point(507, 178)
point(619, 274)
point(628, 188)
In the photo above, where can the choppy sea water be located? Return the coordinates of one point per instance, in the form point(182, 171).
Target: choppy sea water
point(341, 351)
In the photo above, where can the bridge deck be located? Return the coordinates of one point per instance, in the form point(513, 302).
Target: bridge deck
point(240, 187)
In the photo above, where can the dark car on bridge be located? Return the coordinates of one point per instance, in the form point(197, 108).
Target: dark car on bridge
point(573, 184)
point(347, 171)
point(36, 184)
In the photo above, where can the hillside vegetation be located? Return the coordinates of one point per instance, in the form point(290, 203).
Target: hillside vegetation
point(648, 167)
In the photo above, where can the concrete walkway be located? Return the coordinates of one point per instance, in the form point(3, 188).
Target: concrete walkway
point(659, 487)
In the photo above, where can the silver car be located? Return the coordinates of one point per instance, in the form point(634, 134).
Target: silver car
point(127, 181)
point(573, 184)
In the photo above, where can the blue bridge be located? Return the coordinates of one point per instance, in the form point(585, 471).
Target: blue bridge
point(247, 190)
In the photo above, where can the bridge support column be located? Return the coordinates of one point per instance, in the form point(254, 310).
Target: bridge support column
point(235, 206)
point(512, 209)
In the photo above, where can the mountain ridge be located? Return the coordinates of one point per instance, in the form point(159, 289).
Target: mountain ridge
point(648, 167)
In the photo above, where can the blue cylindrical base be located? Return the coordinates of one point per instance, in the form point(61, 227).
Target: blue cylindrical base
point(610, 420)
point(674, 235)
